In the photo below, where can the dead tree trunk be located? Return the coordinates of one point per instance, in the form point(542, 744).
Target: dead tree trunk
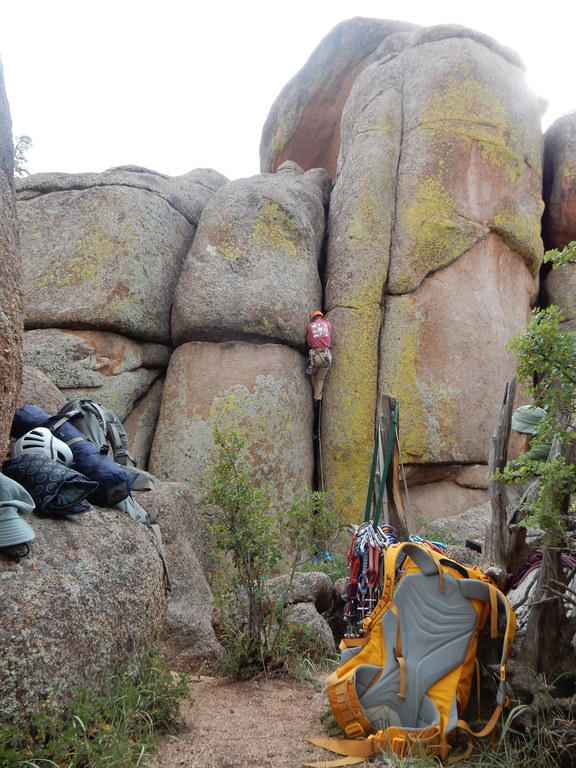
point(546, 613)
point(505, 552)
point(505, 545)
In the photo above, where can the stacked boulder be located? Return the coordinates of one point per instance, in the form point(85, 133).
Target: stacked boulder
point(101, 255)
point(427, 265)
point(247, 287)
point(12, 315)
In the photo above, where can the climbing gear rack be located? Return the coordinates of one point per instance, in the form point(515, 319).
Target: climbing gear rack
point(371, 539)
point(365, 560)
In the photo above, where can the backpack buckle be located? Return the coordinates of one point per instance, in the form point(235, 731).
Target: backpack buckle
point(399, 746)
point(354, 730)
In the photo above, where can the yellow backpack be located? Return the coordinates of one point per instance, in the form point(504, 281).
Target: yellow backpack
point(402, 686)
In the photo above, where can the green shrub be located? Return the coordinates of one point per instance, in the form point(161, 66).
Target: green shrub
point(258, 543)
point(117, 728)
point(546, 352)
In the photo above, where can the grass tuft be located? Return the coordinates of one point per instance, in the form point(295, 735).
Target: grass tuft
point(118, 728)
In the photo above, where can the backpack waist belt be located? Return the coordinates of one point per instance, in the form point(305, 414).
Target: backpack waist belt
point(347, 708)
point(421, 742)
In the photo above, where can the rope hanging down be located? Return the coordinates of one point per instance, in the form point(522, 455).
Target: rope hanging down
point(370, 541)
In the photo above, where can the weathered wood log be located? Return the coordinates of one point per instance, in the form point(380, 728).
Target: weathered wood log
point(505, 549)
point(496, 550)
point(546, 614)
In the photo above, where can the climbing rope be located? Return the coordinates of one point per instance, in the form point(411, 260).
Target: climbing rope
point(403, 473)
point(369, 542)
point(320, 446)
point(384, 477)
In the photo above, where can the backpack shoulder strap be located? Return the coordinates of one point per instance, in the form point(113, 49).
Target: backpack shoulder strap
point(426, 561)
point(111, 427)
point(67, 414)
point(121, 454)
point(115, 434)
point(140, 480)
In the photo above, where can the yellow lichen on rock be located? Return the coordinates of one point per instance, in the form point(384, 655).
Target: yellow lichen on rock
point(460, 101)
point(521, 234)
point(399, 354)
point(350, 425)
point(436, 233)
point(91, 261)
point(276, 230)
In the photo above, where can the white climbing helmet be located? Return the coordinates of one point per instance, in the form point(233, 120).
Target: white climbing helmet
point(41, 440)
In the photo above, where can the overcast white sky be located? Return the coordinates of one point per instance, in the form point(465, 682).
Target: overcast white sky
point(177, 85)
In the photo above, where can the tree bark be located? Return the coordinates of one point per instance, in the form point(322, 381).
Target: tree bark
point(502, 539)
point(505, 552)
point(546, 614)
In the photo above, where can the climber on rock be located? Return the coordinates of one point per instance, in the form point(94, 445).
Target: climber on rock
point(319, 337)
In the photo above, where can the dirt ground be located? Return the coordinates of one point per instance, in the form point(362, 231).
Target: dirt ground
point(260, 724)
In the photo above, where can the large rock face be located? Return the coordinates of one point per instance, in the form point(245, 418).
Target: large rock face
point(187, 638)
point(560, 288)
point(102, 255)
point(442, 384)
point(258, 390)
point(38, 389)
point(560, 182)
point(303, 124)
point(91, 592)
point(11, 316)
point(433, 229)
point(432, 250)
point(560, 215)
point(140, 425)
point(252, 271)
point(104, 251)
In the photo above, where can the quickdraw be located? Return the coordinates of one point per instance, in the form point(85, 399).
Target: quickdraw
point(365, 560)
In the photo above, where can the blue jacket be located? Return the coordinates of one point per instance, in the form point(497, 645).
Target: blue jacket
point(114, 483)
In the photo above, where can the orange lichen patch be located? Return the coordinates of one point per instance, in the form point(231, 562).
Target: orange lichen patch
point(109, 349)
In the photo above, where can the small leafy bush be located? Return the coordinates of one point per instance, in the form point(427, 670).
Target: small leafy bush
point(258, 543)
point(546, 354)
